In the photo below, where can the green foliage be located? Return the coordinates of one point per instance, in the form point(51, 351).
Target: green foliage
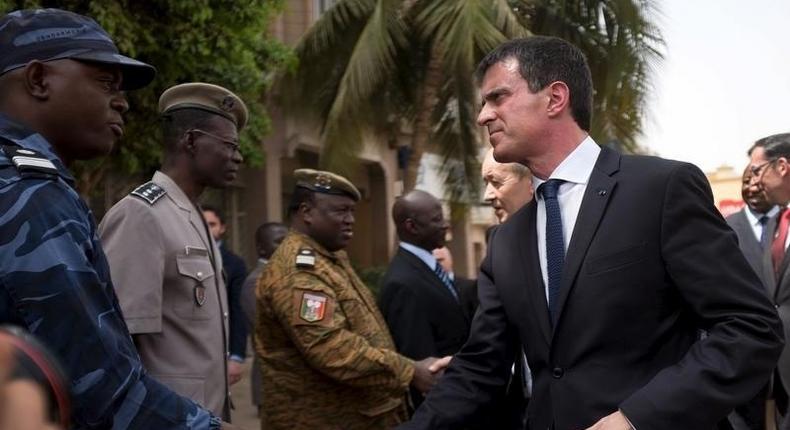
point(219, 41)
point(371, 66)
point(372, 277)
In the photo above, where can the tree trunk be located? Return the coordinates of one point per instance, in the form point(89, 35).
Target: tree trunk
point(423, 124)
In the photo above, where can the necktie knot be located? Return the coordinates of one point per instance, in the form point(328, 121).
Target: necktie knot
point(550, 188)
point(763, 219)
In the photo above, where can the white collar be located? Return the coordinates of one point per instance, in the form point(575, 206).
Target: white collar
point(577, 167)
point(423, 254)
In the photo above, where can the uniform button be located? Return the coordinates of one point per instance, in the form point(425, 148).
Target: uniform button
point(200, 274)
point(776, 306)
point(557, 372)
point(225, 315)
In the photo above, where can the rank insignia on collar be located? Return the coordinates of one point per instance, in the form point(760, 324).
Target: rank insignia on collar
point(313, 307)
point(200, 294)
point(305, 258)
point(149, 192)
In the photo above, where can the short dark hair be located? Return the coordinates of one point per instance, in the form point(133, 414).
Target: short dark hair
point(543, 60)
point(775, 146)
point(264, 229)
point(178, 122)
point(217, 212)
point(299, 196)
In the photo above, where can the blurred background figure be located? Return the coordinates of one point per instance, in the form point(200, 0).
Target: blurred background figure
point(770, 172)
point(33, 387)
point(508, 186)
point(419, 299)
point(754, 224)
point(235, 272)
point(267, 238)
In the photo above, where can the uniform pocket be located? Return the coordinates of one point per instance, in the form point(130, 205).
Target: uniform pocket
point(196, 289)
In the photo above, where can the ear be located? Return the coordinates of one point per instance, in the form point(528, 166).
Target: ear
point(306, 211)
point(559, 98)
point(411, 226)
point(782, 166)
point(188, 143)
point(36, 82)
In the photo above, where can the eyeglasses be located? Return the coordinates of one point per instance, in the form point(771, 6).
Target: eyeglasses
point(757, 170)
point(233, 145)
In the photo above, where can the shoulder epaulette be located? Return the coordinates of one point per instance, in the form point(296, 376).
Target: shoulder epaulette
point(305, 258)
point(149, 192)
point(28, 161)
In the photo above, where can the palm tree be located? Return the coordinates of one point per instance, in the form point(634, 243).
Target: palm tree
point(383, 66)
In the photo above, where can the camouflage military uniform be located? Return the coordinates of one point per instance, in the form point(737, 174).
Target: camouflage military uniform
point(54, 280)
point(327, 358)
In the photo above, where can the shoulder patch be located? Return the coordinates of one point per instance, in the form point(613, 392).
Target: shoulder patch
point(313, 307)
point(149, 192)
point(28, 161)
point(305, 258)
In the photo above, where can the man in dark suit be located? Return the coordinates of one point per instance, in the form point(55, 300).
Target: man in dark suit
point(418, 299)
point(754, 225)
point(267, 238)
point(606, 278)
point(770, 170)
point(235, 272)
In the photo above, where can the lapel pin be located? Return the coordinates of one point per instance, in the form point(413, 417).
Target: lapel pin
point(601, 193)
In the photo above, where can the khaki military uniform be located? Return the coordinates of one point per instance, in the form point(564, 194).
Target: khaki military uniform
point(327, 358)
point(167, 272)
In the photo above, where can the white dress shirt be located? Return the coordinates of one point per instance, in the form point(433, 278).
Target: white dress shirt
point(575, 170)
point(754, 220)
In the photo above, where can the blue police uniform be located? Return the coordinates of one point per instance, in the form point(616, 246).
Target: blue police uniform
point(55, 281)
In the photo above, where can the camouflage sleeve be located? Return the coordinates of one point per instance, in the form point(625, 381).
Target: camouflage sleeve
point(132, 239)
point(54, 281)
point(327, 344)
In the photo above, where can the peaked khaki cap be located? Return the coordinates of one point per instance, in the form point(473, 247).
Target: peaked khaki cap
point(326, 182)
point(208, 97)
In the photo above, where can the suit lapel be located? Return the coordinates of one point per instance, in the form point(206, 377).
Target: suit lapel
point(426, 273)
point(531, 273)
point(596, 198)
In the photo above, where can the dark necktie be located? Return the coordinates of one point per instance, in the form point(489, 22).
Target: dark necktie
point(555, 246)
point(445, 278)
point(765, 237)
point(778, 245)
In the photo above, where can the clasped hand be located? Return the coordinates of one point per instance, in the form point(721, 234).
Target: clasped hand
point(428, 371)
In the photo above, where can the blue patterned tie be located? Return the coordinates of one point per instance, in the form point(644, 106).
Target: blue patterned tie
point(555, 247)
point(765, 237)
point(445, 278)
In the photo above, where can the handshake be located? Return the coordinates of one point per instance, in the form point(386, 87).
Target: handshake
point(428, 371)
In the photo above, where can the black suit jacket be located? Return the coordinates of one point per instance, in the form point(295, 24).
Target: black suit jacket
point(235, 272)
point(423, 316)
point(650, 263)
point(750, 246)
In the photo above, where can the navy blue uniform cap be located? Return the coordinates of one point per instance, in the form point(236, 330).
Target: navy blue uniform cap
point(54, 34)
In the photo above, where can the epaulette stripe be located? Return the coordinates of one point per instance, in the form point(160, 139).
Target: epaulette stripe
point(33, 162)
point(29, 162)
point(150, 192)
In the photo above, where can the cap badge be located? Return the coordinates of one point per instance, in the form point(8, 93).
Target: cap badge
point(227, 103)
point(323, 181)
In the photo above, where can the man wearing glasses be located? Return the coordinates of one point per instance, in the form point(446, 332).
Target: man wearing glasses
point(166, 266)
point(770, 171)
